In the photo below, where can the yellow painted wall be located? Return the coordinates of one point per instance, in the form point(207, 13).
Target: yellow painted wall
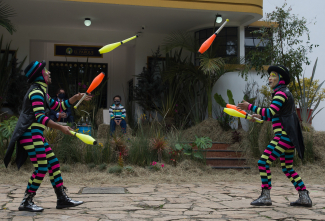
point(248, 6)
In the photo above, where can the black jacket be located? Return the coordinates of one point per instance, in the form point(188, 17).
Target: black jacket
point(26, 118)
point(290, 122)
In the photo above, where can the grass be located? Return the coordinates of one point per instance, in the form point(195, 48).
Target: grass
point(185, 172)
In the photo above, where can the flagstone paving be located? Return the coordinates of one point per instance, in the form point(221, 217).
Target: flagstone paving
point(215, 201)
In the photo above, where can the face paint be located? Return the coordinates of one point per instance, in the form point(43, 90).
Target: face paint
point(273, 75)
point(45, 71)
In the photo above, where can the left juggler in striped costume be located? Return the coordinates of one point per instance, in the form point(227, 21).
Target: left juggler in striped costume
point(31, 142)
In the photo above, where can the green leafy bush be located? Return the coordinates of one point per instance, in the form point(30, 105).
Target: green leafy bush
point(65, 168)
point(102, 167)
point(91, 165)
point(7, 128)
point(115, 169)
point(140, 152)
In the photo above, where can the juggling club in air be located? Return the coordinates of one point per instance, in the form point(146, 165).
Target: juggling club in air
point(206, 45)
point(97, 80)
point(84, 138)
point(235, 113)
point(111, 47)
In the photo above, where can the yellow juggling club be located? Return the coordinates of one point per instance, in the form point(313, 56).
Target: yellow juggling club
point(84, 138)
point(111, 47)
point(235, 113)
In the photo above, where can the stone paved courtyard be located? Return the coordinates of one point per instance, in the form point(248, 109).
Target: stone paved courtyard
point(202, 201)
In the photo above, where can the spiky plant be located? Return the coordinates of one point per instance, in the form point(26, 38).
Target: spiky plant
point(159, 143)
point(307, 100)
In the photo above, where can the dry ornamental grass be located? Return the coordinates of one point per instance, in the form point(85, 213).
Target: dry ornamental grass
point(186, 171)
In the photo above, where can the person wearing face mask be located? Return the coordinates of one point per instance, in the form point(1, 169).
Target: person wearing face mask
point(117, 113)
point(29, 141)
point(61, 115)
point(288, 137)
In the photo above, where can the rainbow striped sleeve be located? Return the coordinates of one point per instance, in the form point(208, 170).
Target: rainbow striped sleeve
point(276, 104)
point(58, 106)
point(37, 99)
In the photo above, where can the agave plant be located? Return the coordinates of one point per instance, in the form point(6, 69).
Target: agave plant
point(306, 99)
point(5, 13)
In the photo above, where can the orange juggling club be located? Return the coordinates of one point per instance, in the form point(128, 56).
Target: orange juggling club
point(97, 80)
point(205, 46)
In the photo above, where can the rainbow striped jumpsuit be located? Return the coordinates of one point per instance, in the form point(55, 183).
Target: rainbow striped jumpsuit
point(33, 140)
point(281, 146)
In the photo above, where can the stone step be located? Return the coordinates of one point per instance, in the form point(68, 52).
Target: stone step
point(218, 157)
point(215, 146)
point(223, 153)
point(225, 161)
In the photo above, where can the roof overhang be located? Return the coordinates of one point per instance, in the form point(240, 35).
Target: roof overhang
point(159, 16)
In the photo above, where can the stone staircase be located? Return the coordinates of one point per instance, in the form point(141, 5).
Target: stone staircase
point(218, 157)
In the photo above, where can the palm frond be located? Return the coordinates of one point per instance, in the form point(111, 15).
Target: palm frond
point(5, 13)
point(180, 39)
point(210, 65)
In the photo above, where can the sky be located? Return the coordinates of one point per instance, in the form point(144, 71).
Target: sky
point(313, 11)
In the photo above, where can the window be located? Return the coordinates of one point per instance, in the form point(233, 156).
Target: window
point(69, 74)
point(130, 86)
point(226, 42)
point(252, 41)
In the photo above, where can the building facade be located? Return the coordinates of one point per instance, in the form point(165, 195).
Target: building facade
point(42, 25)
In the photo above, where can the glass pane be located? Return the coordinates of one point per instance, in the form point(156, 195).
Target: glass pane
point(223, 32)
point(232, 40)
point(203, 33)
point(232, 31)
point(209, 32)
point(221, 40)
point(231, 50)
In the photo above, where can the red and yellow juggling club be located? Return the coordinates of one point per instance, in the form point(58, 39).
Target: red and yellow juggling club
point(241, 111)
point(205, 46)
point(111, 47)
point(84, 138)
point(235, 113)
point(235, 108)
point(97, 80)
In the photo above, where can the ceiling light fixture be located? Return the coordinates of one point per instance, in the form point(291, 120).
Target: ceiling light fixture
point(87, 22)
point(218, 18)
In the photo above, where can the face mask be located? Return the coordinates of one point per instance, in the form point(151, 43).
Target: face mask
point(117, 102)
point(61, 96)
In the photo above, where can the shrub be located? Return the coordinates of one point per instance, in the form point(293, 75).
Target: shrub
point(65, 168)
point(129, 169)
point(253, 137)
point(115, 169)
point(102, 167)
point(140, 152)
point(91, 165)
point(69, 150)
point(159, 144)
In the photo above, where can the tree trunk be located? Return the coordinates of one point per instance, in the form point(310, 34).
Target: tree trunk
point(209, 91)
